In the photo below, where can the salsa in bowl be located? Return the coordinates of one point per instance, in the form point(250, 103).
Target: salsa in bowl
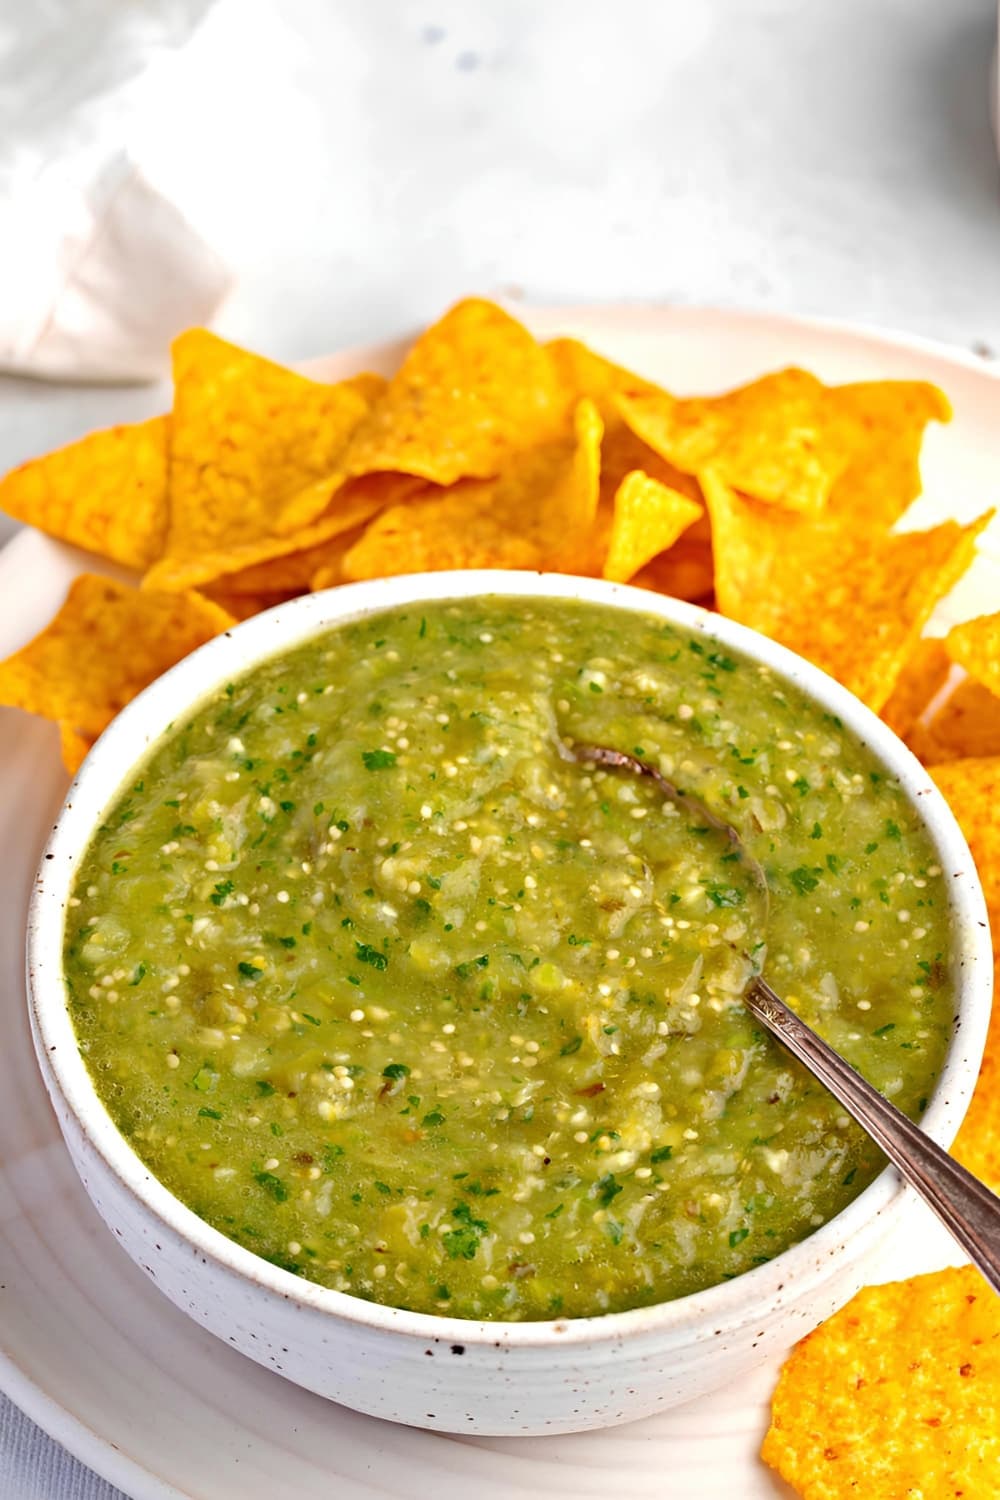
point(428, 1038)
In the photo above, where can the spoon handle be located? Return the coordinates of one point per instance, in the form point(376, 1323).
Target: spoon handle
point(968, 1209)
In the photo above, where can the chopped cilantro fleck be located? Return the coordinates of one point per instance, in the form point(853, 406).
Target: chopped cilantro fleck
point(464, 970)
point(723, 895)
point(462, 1242)
point(272, 1185)
point(378, 760)
point(371, 956)
point(607, 1188)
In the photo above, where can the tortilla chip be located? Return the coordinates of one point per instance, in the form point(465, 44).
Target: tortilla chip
point(255, 458)
point(852, 603)
point(622, 453)
point(583, 373)
point(774, 439)
point(106, 493)
point(972, 789)
point(586, 374)
point(245, 606)
point(459, 529)
point(568, 513)
point(881, 425)
point(923, 675)
point(538, 513)
point(589, 558)
point(357, 502)
point(964, 724)
point(474, 389)
point(896, 1395)
point(687, 571)
point(977, 1145)
point(74, 748)
point(976, 647)
point(330, 572)
point(648, 519)
point(106, 644)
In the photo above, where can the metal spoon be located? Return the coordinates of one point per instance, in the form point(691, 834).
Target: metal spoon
point(967, 1208)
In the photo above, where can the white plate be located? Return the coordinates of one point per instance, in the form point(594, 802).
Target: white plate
point(88, 1347)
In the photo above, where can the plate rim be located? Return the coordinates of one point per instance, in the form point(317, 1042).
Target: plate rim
point(103, 1456)
point(631, 311)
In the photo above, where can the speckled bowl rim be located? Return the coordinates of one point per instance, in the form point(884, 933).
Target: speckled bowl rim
point(120, 751)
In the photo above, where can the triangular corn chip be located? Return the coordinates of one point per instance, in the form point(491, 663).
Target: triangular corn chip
point(794, 442)
point(648, 518)
point(924, 673)
point(325, 541)
point(773, 439)
point(244, 606)
point(881, 424)
point(977, 1145)
point(965, 723)
point(106, 493)
point(687, 571)
point(539, 511)
point(976, 647)
point(73, 747)
point(972, 788)
point(255, 457)
point(105, 645)
point(474, 389)
point(852, 603)
point(582, 372)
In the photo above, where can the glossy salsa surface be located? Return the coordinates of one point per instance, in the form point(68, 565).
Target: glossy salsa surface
point(393, 993)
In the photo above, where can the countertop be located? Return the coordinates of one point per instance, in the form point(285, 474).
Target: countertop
point(830, 159)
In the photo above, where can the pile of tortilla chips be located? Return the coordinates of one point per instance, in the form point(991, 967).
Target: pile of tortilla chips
point(775, 503)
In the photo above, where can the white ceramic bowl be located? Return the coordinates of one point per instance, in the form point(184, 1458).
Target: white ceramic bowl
point(448, 1373)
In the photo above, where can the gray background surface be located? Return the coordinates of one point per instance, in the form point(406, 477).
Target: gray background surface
point(828, 158)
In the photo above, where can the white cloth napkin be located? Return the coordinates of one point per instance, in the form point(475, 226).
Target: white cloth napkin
point(98, 270)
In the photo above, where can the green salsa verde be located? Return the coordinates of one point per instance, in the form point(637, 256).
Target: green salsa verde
point(396, 995)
